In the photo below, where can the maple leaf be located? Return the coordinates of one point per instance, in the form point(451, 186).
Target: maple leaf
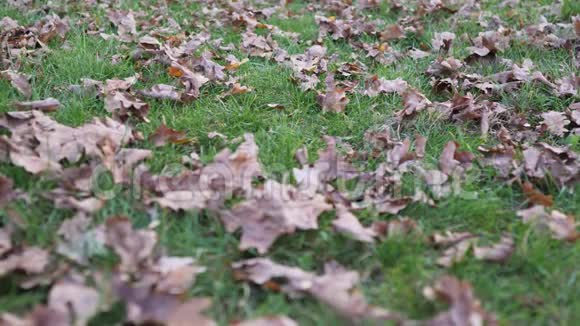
point(275, 210)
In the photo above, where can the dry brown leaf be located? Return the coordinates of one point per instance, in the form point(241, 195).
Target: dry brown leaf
point(497, 253)
point(535, 197)
point(457, 245)
point(192, 81)
point(256, 45)
point(125, 23)
point(235, 170)
point(375, 86)
point(47, 105)
point(562, 226)
point(442, 41)
point(455, 253)
point(144, 305)
point(487, 45)
point(7, 193)
point(452, 161)
point(207, 67)
point(31, 260)
point(164, 135)
point(501, 157)
point(79, 301)
point(234, 63)
point(555, 123)
point(134, 247)
point(465, 309)
point(418, 54)
point(333, 99)
point(21, 4)
point(391, 205)
point(561, 163)
point(229, 174)
point(267, 321)
point(18, 81)
point(347, 223)
point(413, 102)
point(175, 275)
point(335, 287)
point(330, 165)
point(123, 105)
point(392, 32)
point(38, 143)
point(368, 4)
point(236, 89)
point(444, 68)
point(190, 314)
point(274, 210)
point(51, 26)
point(163, 92)
point(121, 163)
point(567, 86)
point(40, 315)
point(79, 242)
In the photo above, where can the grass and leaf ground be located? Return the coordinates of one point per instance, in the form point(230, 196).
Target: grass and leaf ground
point(539, 285)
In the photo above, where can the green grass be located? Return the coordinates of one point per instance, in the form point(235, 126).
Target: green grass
point(542, 270)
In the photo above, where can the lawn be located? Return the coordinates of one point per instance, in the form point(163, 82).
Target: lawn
point(538, 284)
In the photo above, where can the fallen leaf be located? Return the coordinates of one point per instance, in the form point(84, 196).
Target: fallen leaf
point(144, 305)
point(123, 105)
point(268, 321)
point(555, 123)
point(334, 99)
point(7, 193)
point(497, 253)
point(163, 92)
point(348, 223)
point(18, 81)
point(442, 41)
point(375, 86)
point(562, 226)
point(164, 135)
point(5, 241)
point(275, 210)
point(535, 197)
point(413, 102)
point(465, 308)
point(331, 165)
point(125, 23)
point(77, 300)
point(335, 287)
point(392, 32)
point(134, 247)
point(452, 161)
point(31, 260)
point(457, 245)
point(190, 314)
point(79, 242)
